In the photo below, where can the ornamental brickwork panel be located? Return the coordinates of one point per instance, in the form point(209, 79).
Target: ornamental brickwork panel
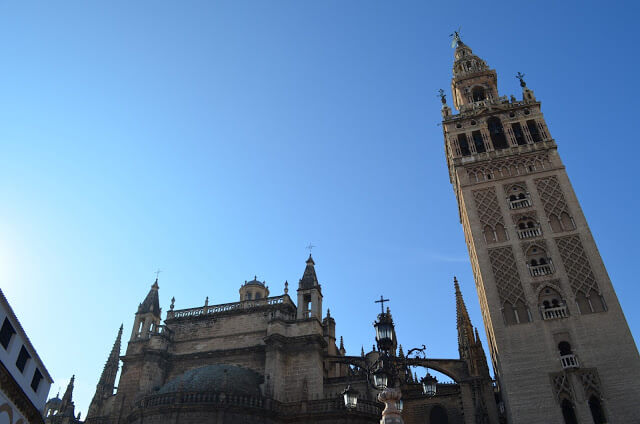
point(551, 195)
point(576, 264)
point(506, 275)
point(488, 207)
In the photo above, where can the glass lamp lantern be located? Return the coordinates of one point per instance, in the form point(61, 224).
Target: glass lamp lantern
point(350, 397)
point(384, 332)
point(429, 383)
point(380, 378)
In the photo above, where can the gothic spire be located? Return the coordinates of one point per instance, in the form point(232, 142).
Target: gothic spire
point(108, 378)
point(151, 303)
point(66, 405)
point(463, 323)
point(309, 278)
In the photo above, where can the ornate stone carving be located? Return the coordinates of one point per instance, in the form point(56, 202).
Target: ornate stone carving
point(561, 386)
point(590, 382)
point(576, 264)
point(508, 167)
point(542, 244)
point(551, 195)
point(516, 217)
point(488, 207)
point(505, 272)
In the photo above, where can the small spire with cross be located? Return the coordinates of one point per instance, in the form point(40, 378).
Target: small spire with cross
point(310, 247)
point(381, 302)
point(158, 271)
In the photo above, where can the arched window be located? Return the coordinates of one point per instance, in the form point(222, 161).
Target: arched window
point(478, 142)
point(567, 222)
point(596, 410)
point(565, 348)
point(464, 144)
point(518, 134)
point(489, 234)
point(496, 131)
point(533, 130)
point(538, 261)
point(438, 415)
point(555, 224)
point(501, 233)
point(568, 413)
point(478, 93)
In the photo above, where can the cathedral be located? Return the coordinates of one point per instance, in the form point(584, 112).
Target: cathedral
point(559, 344)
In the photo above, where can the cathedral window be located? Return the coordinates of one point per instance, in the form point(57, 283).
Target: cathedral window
point(538, 262)
point(528, 228)
point(516, 314)
point(589, 303)
point(568, 413)
point(464, 144)
point(567, 357)
point(6, 333)
point(552, 306)
point(533, 130)
point(597, 413)
point(518, 198)
point(477, 141)
point(496, 131)
point(518, 134)
point(478, 93)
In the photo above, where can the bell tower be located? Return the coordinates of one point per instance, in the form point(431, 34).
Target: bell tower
point(561, 349)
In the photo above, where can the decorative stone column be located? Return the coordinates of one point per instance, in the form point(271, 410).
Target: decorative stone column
point(391, 413)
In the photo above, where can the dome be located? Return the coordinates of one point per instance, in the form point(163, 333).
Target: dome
point(216, 378)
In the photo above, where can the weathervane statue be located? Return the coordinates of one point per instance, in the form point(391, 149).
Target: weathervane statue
point(455, 38)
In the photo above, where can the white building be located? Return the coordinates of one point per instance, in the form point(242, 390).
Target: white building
point(24, 381)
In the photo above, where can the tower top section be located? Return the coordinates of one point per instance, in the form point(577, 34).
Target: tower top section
point(309, 278)
point(473, 80)
point(151, 303)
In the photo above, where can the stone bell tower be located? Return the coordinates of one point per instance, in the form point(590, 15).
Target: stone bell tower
point(561, 348)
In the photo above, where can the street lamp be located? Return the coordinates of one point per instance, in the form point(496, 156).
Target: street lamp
point(380, 378)
point(429, 385)
point(389, 372)
point(350, 397)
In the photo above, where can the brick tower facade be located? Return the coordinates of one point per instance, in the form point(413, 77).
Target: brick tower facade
point(560, 345)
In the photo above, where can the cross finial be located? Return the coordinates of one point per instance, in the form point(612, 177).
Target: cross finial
point(158, 273)
point(381, 302)
point(310, 247)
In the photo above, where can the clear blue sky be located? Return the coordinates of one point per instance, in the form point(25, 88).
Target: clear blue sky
point(215, 140)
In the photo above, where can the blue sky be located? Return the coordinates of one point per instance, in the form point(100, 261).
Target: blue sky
point(215, 140)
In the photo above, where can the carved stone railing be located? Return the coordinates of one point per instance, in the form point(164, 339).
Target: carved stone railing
point(524, 233)
point(555, 313)
point(228, 307)
point(483, 103)
point(569, 361)
point(519, 203)
point(538, 270)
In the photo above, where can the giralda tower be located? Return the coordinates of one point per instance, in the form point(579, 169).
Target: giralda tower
point(560, 345)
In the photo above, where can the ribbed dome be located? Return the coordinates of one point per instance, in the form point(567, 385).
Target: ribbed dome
point(216, 378)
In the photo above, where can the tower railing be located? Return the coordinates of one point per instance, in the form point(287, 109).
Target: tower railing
point(524, 233)
point(519, 203)
point(543, 269)
point(569, 361)
point(555, 312)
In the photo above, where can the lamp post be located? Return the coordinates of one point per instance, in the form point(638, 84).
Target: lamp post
point(388, 371)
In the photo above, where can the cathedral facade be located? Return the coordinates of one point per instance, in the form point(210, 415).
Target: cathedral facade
point(266, 359)
point(560, 345)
